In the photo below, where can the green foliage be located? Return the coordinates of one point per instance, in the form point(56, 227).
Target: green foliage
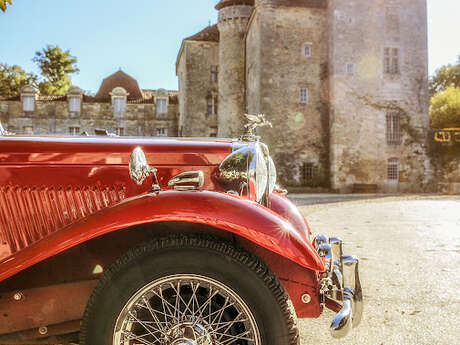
point(3, 4)
point(56, 66)
point(444, 77)
point(13, 78)
point(445, 108)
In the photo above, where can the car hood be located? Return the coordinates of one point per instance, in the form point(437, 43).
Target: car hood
point(111, 150)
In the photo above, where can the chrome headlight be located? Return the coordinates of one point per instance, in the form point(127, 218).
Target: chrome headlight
point(249, 170)
point(271, 175)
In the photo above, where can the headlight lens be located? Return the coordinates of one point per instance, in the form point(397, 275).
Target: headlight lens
point(248, 169)
point(261, 177)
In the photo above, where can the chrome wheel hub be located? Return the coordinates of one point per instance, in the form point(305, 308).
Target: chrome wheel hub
point(190, 333)
point(186, 309)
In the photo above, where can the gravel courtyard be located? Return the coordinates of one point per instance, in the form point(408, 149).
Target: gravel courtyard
point(409, 248)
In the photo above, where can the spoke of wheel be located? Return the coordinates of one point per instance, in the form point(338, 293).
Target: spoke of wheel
point(164, 303)
point(177, 303)
point(193, 297)
point(222, 325)
point(143, 325)
point(132, 336)
point(202, 308)
point(187, 305)
point(154, 316)
point(220, 312)
point(227, 329)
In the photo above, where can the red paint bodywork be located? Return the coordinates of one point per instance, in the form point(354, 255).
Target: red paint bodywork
point(49, 183)
point(57, 193)
point(219, 210)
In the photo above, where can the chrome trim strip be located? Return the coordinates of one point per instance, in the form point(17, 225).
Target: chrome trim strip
point(187, 180)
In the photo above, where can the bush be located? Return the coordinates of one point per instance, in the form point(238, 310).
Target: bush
point(445, 108)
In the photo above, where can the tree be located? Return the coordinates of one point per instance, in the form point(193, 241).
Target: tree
point(445, 108)
point(13, 78)
point(3, 4)
point(444, 77)
point(56, 66)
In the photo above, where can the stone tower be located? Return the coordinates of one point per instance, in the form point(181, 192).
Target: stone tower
point(378, 91)
point(233, 21)
point(286, 79)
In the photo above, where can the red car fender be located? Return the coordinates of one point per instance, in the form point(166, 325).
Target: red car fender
point(219, 210)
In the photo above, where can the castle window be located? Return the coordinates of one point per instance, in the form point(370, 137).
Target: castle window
point(28, 130)
point(393, 170)
point(74, 105)
point(306, 50)
point(214, 74)
point(162, 132)
point(350, 68)
point(391, 60)
point(393, 128)
point(308, 173)
point(303, 96)
point(161, 106)
point(28, 103)
point(119, 106)
point(74, 130)
point(120, 131)
point(211, 105)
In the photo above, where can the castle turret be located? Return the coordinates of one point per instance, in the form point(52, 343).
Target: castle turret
point(233, 21)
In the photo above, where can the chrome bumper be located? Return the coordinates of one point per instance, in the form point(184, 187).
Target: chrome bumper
point(340, 285)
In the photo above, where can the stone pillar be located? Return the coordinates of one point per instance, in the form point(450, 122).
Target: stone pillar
point(233, 21)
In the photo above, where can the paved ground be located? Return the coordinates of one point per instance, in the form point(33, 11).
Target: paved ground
point(410, 257)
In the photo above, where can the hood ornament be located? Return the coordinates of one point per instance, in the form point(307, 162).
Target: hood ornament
point(139, 169)
point(254, 121)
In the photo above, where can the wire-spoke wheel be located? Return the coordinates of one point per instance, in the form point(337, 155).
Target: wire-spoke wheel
point(186, 309)
point(189, 290)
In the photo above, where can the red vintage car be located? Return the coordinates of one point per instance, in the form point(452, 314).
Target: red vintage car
point(107, 240)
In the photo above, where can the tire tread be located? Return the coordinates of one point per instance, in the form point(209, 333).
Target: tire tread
point(205, 242)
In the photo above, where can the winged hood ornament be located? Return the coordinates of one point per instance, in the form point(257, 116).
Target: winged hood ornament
point(254, 121)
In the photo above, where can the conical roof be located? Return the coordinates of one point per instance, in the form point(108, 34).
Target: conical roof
point(119, 79)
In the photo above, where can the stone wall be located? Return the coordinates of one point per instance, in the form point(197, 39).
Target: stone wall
point(53, 117)
point(196, 86)
point(277, 69)
point(362, 94)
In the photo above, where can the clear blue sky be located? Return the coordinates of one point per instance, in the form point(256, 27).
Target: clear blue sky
point(143, 37)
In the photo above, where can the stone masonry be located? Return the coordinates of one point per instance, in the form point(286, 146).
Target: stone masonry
point(343, 82)
point(52, 115)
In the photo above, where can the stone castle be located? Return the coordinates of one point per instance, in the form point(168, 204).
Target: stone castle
point(343, 82)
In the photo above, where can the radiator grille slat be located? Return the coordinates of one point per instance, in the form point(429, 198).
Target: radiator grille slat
point(29, 214)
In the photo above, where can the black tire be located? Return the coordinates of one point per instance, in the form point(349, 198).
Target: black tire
point(184, 255)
